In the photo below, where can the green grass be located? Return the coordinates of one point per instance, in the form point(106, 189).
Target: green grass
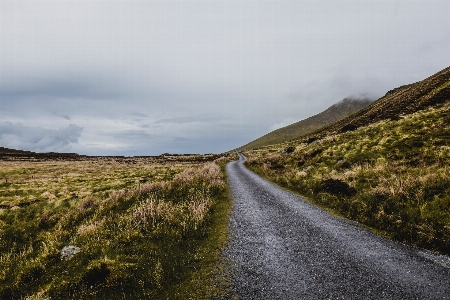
point(399, 172)
point(208, 276)
point(161, 239)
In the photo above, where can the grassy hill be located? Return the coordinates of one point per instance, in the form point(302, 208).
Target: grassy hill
point(397, 103)
point(385, 167)
point(334, 113)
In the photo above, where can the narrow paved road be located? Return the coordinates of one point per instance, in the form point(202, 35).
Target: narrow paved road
point(282, 247)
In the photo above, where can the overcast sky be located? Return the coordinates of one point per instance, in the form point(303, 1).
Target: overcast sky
point(148, 77)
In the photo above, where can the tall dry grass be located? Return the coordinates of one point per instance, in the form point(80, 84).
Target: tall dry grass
point(399, 172)
point(134, 240)
point(193, 189)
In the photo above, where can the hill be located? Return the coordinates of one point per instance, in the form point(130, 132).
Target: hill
point(336, 112)
point(385, 166)
point(397, 103)
point(7, 151)
point(13, 154)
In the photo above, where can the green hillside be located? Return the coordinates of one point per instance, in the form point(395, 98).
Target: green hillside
point(385, 167)
point(334, 113)
point(397, 103)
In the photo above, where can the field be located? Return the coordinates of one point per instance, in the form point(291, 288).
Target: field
point(392, 176)
point(113, 227)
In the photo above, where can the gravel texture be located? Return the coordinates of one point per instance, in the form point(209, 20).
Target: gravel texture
point(282, 247)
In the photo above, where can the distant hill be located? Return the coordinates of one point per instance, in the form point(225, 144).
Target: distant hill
point(398, 102)
point(336, 112)
point(7, 151)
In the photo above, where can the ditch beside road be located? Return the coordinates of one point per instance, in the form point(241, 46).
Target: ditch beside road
point(283, 247)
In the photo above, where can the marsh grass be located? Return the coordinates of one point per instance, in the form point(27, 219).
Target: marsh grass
point(399, 170)
point(137, 240)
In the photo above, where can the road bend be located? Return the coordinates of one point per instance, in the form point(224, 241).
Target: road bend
point(282, 247)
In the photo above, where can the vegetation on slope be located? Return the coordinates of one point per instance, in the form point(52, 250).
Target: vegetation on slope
point(134, 239)
point(393, 176)
point(407, 99)
point(334, 113)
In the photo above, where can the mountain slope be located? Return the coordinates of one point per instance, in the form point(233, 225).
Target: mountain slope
point(334, 113)
point(398, 102)
point(385, 166)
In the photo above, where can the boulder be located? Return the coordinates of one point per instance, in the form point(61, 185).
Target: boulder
point(69, 251)
point(337, 187)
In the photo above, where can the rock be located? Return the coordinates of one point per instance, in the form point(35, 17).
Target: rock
point(69, 251)
point(348, 127)
point(337, 187)
point(312, 140)
point(288, 150)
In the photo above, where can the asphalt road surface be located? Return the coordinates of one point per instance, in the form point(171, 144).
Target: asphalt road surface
point(282, 247)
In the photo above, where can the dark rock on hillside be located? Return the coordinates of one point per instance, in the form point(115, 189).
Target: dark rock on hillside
point(337, 187)
point(312, 140)
point(348, 127)
point(288, 150)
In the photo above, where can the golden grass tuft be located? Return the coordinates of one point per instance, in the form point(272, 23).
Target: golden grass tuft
point(151, 212)
point(136, 221)
point(399, 169)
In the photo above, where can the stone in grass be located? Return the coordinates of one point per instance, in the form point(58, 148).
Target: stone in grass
point(337, 187)
point(69, 251)
point(288, 150)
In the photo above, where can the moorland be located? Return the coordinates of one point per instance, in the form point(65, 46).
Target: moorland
point(77, 227)
point(80, 227)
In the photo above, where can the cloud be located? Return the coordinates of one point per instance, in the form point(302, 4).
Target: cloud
point(66, 117)
point(70, 86)
point(130, 134)
point(38, 139)
point(147, 77)
point(138, 114)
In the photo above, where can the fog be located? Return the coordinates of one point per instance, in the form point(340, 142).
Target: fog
point(148, 77)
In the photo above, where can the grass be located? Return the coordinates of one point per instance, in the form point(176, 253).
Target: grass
point(393, 176)
point(146, 228)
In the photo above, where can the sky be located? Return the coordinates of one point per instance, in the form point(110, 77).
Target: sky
point(131, 78)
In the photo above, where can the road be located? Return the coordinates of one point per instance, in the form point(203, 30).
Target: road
point(282, 247)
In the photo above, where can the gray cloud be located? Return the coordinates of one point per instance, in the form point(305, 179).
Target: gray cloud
point(38, 139)
point(66, 117)
point(150, 76)
point(138, 114)
point(204, 118)
point(130, 134)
